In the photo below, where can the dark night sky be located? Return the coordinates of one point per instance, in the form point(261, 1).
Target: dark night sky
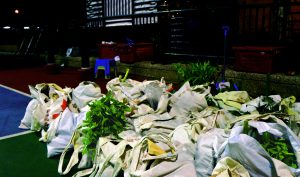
point(40, 12)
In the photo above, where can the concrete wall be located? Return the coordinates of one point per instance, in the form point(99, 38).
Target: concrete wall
point(255, 84)
point(261, 84)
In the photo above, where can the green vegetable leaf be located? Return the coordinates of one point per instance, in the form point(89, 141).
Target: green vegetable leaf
point(106, 117)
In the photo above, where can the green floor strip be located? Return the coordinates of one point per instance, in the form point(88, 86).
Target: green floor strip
point(25, 156)
point(16, 134)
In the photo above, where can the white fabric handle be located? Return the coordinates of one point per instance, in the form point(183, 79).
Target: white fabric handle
point(74, 158)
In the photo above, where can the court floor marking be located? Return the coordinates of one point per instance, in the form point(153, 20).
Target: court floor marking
point(18, 91)
point(21, 133)
point(16, 134)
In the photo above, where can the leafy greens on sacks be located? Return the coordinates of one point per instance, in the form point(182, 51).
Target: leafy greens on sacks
point(277, 147)
point(106, 117)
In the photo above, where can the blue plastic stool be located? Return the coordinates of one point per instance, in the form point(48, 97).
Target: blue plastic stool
point(106, 64)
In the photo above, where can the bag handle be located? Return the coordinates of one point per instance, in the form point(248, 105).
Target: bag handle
point(75, 155)
point(139, 156)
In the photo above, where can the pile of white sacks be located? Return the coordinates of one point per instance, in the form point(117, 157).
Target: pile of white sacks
point(169, 134)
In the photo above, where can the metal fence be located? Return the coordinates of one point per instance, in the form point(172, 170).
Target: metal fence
point(106, 13)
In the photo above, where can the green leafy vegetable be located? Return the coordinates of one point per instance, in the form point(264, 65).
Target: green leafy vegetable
point(106, 117)
point(246, 127)
point(278, 148)
point(196, 73)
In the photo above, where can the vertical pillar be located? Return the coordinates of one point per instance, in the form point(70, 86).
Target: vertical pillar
point(51, 38)
point(84, 48)
point(51, 32)
point(86, 72)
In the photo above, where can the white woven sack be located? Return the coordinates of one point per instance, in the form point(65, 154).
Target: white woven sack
point(77, 145)
point(209, 148)
point(254, 158)
point(185, 101)
point(27, 118)
point(183, 166)
point(156, 123)
point(140, 157)
point(61, 136)
point(227, 167)
point(84, 93)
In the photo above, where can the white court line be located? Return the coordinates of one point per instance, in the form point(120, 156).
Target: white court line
point(16, 134)
point(18, 91)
